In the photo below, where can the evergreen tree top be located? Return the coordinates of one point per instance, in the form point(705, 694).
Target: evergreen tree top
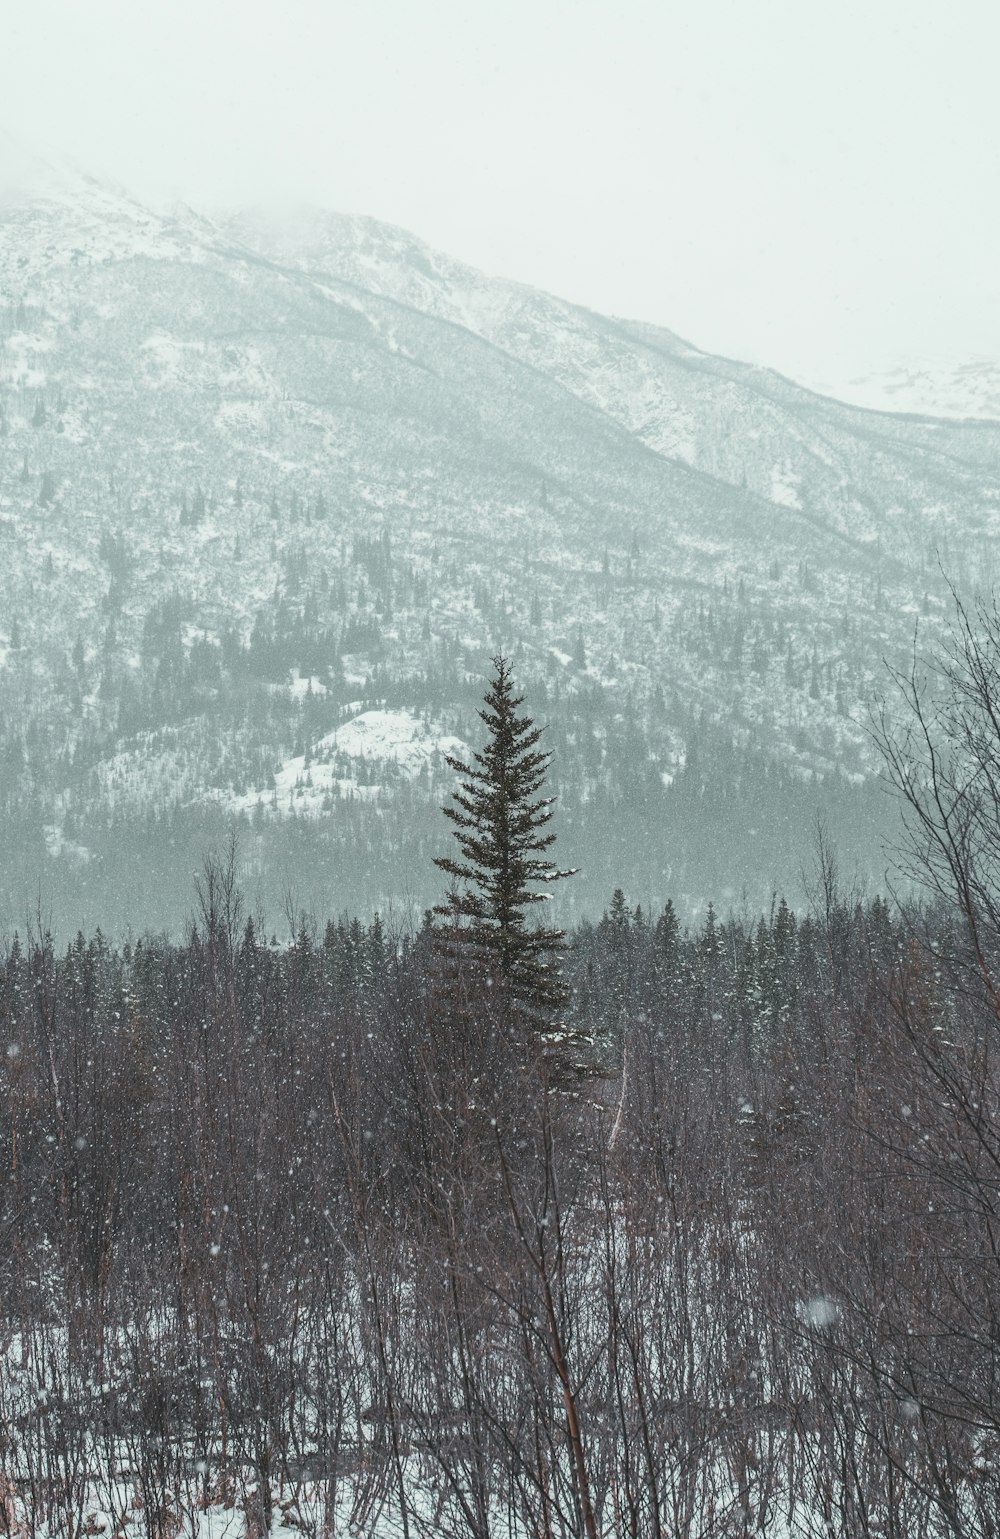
point(500, 823)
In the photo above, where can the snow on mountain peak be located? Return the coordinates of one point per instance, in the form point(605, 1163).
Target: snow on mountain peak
point(969, 389)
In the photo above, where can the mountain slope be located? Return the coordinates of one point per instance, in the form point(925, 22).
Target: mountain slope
point(258, 480)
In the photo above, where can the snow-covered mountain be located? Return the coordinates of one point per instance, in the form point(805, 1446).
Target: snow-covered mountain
point(268, 485)
point(969, 389)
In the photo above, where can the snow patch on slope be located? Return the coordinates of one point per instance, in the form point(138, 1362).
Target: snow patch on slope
point(358, 759)
point(785, 486)
point(397, 737)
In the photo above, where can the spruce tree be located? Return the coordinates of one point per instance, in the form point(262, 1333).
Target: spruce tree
point(500, 823)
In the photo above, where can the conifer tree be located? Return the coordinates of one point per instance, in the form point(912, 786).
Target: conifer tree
point(500, 823)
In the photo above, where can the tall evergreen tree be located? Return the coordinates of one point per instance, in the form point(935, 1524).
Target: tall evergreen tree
point(500, 823)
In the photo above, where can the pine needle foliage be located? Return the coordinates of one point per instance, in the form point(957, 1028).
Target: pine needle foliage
point(500, 823)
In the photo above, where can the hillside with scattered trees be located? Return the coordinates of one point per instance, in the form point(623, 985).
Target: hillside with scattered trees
point(271, 497)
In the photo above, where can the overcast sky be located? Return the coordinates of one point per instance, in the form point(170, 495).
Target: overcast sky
point(811, 184)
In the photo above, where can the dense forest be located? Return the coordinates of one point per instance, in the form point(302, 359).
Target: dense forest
point(302, 1227)
point(361, 1234)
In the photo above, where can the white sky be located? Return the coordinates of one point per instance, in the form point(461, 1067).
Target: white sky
point(811, 184)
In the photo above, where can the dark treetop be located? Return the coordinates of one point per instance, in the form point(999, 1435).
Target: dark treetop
point(500, 824)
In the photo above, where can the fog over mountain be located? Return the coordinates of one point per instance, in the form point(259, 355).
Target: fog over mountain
point(970, 388)
point(274, 489)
